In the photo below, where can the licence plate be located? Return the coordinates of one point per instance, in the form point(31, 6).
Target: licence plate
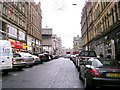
point(29, 61)
point(18, 60)
point(116, 75)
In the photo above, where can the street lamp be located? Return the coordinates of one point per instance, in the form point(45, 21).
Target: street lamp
point(74, 4)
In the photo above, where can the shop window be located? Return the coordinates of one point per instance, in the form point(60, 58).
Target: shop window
point(12, 31)
point(21, 35)
point(117, 48)
point(108, 50)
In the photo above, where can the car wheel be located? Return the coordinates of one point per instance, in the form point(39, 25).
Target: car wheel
point(5, 72)
point(86, 85)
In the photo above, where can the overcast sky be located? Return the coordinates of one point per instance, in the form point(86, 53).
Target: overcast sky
point(63, 18)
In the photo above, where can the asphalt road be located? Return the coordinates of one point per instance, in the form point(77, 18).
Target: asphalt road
point(59, 73)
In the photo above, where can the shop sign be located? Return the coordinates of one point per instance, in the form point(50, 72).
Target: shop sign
point(18, 45)
point(12, 42)
point(24, 45)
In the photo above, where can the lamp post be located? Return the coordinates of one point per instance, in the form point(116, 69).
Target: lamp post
point(86, 20)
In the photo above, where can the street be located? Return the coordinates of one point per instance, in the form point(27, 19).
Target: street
point(58, 73)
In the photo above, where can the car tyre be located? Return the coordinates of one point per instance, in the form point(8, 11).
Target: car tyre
point(20, 69)
point(5, 72)
point(86, 85)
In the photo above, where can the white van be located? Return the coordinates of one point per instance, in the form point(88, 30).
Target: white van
point(6, 56)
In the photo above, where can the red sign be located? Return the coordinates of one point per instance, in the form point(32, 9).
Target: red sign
point(12, 42)
point(18, 45)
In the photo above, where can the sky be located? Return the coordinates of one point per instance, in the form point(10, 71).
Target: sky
point(63, 17)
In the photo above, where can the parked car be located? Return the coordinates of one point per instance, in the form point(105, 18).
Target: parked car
point(29, 60)
point(40, 55)
point(100, 72)
point(47, 57)
point(84, 56)
point(18, 61)
point(36, 59)
point(6, 55)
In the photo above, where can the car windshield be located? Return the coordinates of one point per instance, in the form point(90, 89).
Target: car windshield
point(16, 55)
point(88, 54)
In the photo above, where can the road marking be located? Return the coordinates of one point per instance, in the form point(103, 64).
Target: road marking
point(53, 80)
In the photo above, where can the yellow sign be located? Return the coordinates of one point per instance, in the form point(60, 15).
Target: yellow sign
point(24, 45)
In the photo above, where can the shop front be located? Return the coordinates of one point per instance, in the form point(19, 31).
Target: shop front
point(117, 46)
point(109, 44)
point(17, 46)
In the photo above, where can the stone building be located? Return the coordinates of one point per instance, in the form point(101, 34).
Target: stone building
point(47, 39)
point(20, 23)
point(100, 28)
point(34, 26)
point(56, 45)
point(13, 24)
point(77, 44)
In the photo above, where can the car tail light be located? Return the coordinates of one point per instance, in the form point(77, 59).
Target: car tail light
point(12, 61)
point(94, 73)
point(23, 60)
point(81, 60)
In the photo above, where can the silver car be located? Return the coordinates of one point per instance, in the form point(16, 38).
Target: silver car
point(18, 61)
point(28, 59)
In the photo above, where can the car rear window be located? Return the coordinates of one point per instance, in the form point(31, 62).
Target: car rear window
point(16, 55)
point(88, 54)
point(110, 62)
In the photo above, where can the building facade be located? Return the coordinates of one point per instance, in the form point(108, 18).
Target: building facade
point(100, 28)
point(77, 44)
point(13, 24)
point(47, 39)
point(34, 26)
point(15, 21)
point(56, 45)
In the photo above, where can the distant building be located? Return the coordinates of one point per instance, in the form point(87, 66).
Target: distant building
point(47, 39)
point(77, 44)
point(56, 45)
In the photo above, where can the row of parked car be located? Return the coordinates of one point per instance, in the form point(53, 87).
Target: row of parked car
point(10, 60)
point(25, 59)
point(96, 71)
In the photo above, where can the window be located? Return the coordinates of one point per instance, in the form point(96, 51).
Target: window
point(113, 16)
point(0, 7)
point(21, 35)
point(12, 31)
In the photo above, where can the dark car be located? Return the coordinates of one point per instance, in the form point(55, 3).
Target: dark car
point(84, 56)
point(100, 72)
point(40, 55)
